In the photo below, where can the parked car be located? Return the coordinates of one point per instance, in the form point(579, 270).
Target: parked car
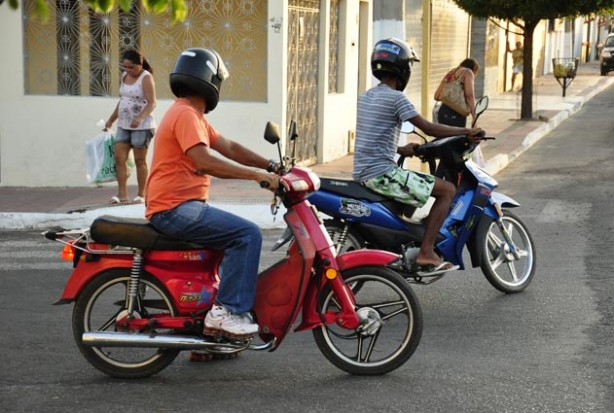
point(606, 57)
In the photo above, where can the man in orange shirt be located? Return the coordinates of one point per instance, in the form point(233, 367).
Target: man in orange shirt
point(178, 185)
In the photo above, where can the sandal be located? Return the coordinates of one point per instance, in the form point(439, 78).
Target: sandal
point(115, 200)
point(138, 200)
point(430, 270)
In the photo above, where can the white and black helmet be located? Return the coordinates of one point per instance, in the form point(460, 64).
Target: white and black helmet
point(201, 72)
point(393, 57)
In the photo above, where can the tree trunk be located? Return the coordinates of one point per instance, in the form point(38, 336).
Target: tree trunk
point(526, 108)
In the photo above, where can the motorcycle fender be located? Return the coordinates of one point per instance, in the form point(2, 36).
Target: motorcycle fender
point(359, 258)
point(85, 271)
point(311, 318)
point(477, 238)
point(504, 201)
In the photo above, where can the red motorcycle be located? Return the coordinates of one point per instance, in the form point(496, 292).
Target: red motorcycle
point(141, 297)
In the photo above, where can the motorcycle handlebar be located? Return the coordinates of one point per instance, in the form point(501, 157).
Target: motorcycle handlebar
point(433, 149)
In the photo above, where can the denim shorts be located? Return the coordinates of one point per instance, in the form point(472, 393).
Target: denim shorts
point(137, 138)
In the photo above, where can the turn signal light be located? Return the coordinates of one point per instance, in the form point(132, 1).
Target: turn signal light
point(331, 273)
point(68, 253)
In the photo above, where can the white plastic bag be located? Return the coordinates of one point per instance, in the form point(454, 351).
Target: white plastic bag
point(100, 158)
point(478, 158)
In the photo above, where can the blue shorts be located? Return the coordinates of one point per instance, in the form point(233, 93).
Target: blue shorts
point(137, 138)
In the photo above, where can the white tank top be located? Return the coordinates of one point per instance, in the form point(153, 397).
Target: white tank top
point(132, 102)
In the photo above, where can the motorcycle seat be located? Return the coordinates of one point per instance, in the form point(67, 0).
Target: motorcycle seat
point(135, 233)
point(351, 189)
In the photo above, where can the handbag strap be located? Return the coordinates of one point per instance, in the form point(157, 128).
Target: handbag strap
point(457, 79)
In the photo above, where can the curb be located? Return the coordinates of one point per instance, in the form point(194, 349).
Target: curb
point(260, 214)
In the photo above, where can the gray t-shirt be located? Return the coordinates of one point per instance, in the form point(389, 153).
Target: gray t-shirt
point(381, 111)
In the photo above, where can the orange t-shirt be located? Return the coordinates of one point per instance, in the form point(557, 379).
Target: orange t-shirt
point(172, 180)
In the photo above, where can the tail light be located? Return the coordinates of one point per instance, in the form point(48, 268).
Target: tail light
point(68, 253)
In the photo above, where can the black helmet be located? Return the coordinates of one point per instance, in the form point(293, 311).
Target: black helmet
point(393, 57)
point(201, 72)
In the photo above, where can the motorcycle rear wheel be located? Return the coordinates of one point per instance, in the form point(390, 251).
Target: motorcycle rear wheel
point(393, 313)
point(99, 306)
point(499, 266)
point(353, 241)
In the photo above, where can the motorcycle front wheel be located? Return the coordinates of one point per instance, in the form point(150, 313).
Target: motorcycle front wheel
point(499, 265)
point(391, 323)
point(102, 303)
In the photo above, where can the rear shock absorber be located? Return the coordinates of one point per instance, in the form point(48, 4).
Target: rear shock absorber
point(342, 238)
point(135, 279)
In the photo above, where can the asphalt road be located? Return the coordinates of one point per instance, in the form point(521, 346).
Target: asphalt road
point(548, 349)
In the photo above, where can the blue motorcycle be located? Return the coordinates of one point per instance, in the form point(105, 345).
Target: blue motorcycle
point(497, 240)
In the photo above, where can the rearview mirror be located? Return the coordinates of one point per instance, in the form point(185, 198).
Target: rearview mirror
point(292, 134)
point(407, 127)
point(271, 133)
point(481, 106)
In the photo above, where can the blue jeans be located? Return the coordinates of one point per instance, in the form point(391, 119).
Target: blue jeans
point(241, 240)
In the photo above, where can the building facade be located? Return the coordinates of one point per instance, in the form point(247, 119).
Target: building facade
point(302, 60)
point(288, 59)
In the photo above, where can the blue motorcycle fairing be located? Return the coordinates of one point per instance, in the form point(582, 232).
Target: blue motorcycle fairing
point(466, 212)
point(481, 174)
point(355, 210)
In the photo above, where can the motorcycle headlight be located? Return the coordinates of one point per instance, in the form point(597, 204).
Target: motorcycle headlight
point(304, 184)
point(300, 185)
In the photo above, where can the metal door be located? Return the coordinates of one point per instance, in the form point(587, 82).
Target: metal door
point(303, 39)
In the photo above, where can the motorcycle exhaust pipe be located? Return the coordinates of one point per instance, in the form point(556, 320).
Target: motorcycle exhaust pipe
point(118, 339)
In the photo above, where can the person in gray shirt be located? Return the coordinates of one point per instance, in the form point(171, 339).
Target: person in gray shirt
point(381, 112)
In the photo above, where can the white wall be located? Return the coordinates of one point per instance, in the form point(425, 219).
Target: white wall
point(338, 110)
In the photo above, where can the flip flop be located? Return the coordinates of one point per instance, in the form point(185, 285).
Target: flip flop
point(115, 200)
point(430, 270)
point(138, 200)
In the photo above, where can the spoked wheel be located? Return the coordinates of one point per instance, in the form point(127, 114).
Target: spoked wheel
point(391, 323)
point(102, 304)
point(350, 242)
point(501, 268)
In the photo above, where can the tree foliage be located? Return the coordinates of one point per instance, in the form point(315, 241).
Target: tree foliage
point(526, 14)
point(532, 10)
point(177, 8)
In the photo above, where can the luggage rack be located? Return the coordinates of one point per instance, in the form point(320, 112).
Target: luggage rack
point(80, 239)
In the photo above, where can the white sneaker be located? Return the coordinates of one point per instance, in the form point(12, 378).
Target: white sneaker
point(219, 318)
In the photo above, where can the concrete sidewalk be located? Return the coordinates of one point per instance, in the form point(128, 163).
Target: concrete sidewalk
point(41, 208)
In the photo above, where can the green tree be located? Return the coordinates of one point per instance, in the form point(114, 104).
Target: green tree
point(178, 8)
point(526, 14)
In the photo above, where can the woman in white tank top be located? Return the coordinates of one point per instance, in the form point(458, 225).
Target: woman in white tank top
point(135, 123)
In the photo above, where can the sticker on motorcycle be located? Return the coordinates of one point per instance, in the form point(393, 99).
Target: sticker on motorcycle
point(470, 222)
point(354, 208)
point(192, 256)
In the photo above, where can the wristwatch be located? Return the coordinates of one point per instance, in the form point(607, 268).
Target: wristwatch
point(272, 165)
